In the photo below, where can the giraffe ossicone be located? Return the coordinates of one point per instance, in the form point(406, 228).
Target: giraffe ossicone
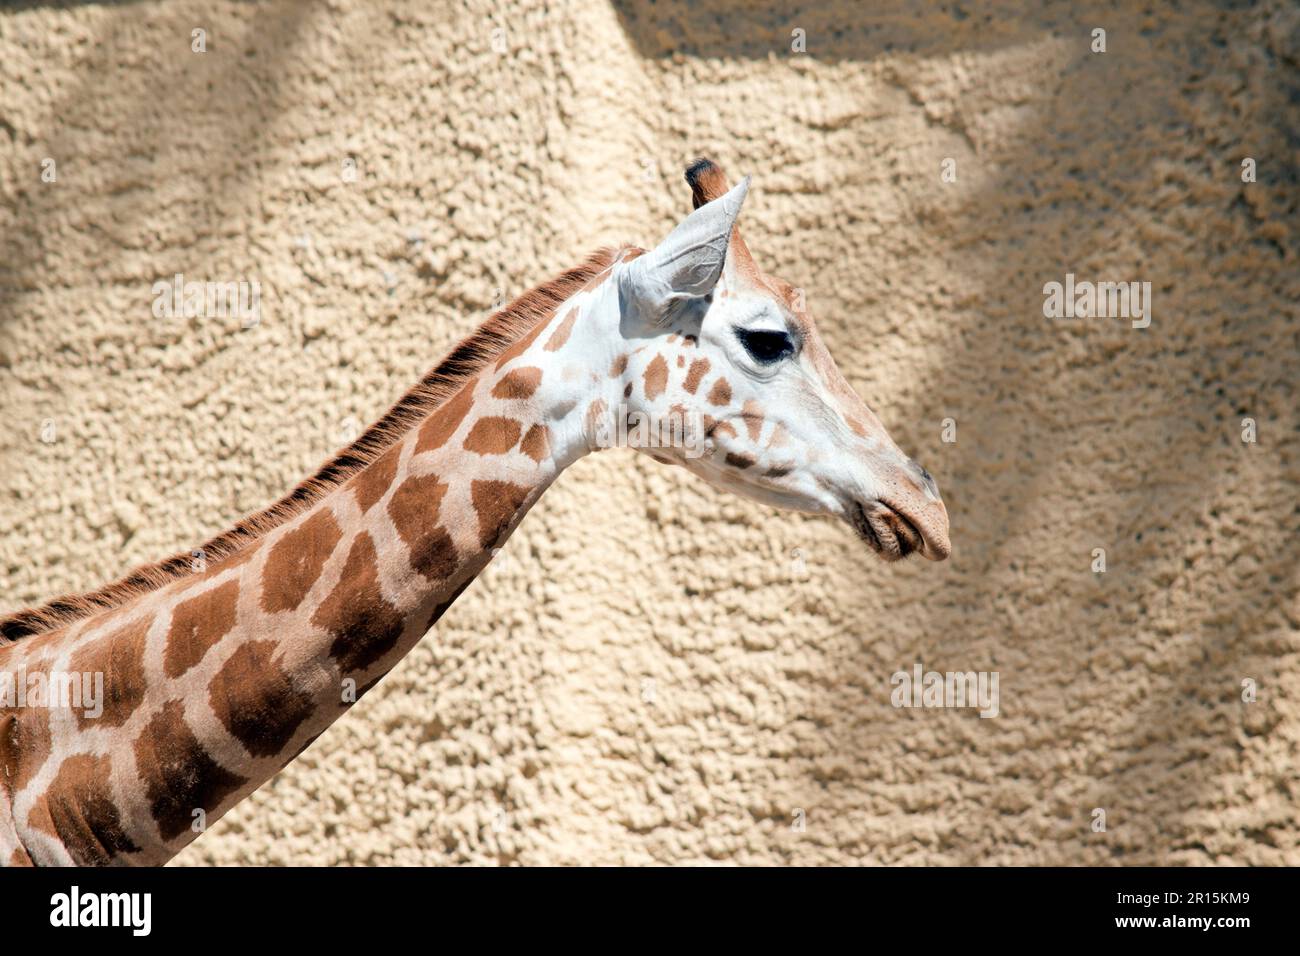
point(215, 674)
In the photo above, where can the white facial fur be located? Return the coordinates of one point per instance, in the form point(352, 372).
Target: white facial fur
point(787, 432)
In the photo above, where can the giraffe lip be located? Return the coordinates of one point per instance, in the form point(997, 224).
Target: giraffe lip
point(888, 532)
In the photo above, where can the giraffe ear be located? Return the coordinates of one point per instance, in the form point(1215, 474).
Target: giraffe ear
point(689, 261)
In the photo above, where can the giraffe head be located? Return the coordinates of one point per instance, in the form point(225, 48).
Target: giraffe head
point(714, 342)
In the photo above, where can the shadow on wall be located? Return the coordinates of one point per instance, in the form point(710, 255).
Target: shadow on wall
point(1099, 435)
point(833, 31)
point(154, 109)
point(17, 6)
point(1095, 434)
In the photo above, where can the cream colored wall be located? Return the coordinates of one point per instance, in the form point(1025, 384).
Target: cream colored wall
point(520, 731)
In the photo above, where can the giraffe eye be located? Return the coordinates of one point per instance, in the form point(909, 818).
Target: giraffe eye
point(766, 347)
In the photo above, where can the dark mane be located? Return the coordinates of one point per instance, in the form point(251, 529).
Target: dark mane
point(488, 341)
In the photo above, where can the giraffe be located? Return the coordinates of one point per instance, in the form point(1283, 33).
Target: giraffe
point(216, 673)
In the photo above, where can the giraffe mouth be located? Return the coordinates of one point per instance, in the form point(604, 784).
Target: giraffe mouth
point(888, 532)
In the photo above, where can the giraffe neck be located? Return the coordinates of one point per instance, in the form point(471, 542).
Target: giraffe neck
point(213, 683)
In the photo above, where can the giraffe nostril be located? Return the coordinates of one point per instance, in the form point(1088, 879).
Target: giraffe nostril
point(926, 478)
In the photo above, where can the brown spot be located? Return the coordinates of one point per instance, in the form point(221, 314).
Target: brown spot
point(520, 347)
point(19, 858)
point(778, 472)
point(78, 810)
point(518, 383)
point(535, 443)
point(656, 378)
point(720, 394)
point(724, 429)
point(741, 461)
point(561, 334)
point(753, 416)
point(678, 423)
point(440, 608)
point(376, 478)
point(627, 391)
point(24, 746)
point(619, 367)
point(695, 374)
point(178, 775)
point(858, 427)
point(681, 361)
point(296, 560)
point(362, 623)
point(256, 700)
point(496, 502)
point(197, 624)
point(493, 435)
point(442, 424)
point(632, 254)
point(689, 341)
point(120, 658)
point(414, 510)
point(595, 413)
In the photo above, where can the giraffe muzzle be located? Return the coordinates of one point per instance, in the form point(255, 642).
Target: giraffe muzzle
point(894, 534)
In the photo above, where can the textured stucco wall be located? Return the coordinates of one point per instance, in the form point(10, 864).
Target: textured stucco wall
point(521, 731)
